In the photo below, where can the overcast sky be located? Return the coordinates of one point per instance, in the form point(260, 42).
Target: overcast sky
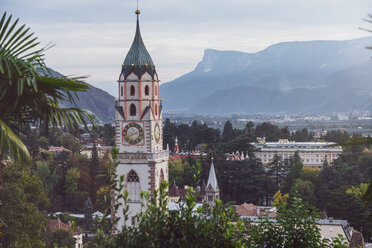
point(92, 37)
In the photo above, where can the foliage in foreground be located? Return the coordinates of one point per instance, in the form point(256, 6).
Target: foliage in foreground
point(22, 198)
point(206, 226)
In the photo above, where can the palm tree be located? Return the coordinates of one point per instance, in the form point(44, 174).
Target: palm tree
point(28, 92)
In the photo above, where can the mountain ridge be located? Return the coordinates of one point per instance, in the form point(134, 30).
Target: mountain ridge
point(94, 99)
point(282, 67)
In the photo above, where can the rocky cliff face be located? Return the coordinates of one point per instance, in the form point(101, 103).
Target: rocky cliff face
point(290, 77)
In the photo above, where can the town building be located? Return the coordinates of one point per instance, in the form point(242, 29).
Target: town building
point(249, 209)
point(101, 150)
point(138, 128)
point(312, 154)
point(206, 193)
point(180, 155)
point(177, 194)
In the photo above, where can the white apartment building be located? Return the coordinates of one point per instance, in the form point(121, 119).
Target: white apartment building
point(312, 154)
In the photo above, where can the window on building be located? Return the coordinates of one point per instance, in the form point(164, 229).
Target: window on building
point(133, 110)
point(147, 90)
point(121, 91)
point(132, 90)
point(210, 198)
point(156, 109)
point(156, 90)
point(133, 220)
point(133, 186)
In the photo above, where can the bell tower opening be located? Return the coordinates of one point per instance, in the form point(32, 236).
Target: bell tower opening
point(133, 110)
point(132, 90)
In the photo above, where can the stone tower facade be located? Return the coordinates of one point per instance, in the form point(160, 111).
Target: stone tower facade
point(138, 122)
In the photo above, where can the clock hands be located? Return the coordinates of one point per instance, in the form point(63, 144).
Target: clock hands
point(133, 133)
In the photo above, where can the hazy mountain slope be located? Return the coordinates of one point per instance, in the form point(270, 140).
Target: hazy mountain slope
point(95, 100)
point(281, 67)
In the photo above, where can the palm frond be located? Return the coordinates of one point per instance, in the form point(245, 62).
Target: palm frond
point(28, 92)
point(11, 142)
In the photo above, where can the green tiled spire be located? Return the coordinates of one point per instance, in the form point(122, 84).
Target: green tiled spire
point(138, 59)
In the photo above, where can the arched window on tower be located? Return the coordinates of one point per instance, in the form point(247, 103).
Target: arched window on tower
point(133, 186)
point(156, 109)
point(156, 90)
point(121, 90)
point(161, 178)
point(147, 90)
point(133, 110)
point(132, 90)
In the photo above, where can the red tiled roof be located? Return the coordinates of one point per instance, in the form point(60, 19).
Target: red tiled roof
point(246, 209)
point(58, 149)
point(249, 209)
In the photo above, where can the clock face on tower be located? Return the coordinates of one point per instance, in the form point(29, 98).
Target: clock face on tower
point(133, 133)
point(157, 132)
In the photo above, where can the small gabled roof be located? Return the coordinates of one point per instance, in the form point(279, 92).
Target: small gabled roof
point(212, 179)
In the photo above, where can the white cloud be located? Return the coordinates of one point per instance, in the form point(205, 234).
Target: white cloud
point(92, 37)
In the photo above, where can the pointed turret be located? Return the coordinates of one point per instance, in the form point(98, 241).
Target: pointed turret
point(212, 179)
point(212, 191)
point(138, 59)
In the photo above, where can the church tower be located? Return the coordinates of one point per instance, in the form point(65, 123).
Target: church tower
point(212, 192)
point(138, 122)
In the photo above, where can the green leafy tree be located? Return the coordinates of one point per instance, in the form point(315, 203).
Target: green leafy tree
point(241, 181)
point(295, 227)
point(156, 227)
point(88, 217)
point(71, 181)
point(43, 142)
point(22, 196)
point(169, 132)
point(70, 142)
point(267, 130)
point(108, 134)
point(61, 238)
point(278, 171)
point(293, 174)
point(48, 177)
point(94, 168)
point(228, 132)
point(301, 135)
point(180, 172)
